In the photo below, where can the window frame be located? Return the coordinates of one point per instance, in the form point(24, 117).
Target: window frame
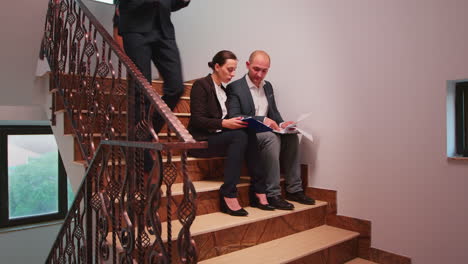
point(5, 131)
point(461, 92)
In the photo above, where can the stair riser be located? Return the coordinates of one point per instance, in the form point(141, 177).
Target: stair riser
point(205, 169)
point(158, 87)
point(96, 125)
point(337, 254)
point(106, 84)
point(120, 103)
point(201, 169)
point(119, 123)
point(207, 202)
point(97, 139)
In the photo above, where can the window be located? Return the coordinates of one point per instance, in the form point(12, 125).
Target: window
point(33, 182)
point(461, 114)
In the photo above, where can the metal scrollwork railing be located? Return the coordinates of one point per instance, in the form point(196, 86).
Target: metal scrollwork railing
point(116, 216)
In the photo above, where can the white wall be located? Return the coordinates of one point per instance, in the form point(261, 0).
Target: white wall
point(374, 75)
point(21, 103)
point(28, 246)
point(22, 25)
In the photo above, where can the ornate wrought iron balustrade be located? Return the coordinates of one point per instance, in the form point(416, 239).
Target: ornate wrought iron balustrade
point(116, 218)
point(88, 72)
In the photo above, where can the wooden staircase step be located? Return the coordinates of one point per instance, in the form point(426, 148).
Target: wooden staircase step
point(119, 121)
point(289, 248)
point(158, 85)
point(219, 221)
point(120, 102)
point(197, 168)
point(207, 196)
point(360, 261)
point(210, 224)
point(106, 84)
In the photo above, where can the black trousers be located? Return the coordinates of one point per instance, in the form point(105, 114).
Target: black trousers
point(235, 145)
point(144, 48)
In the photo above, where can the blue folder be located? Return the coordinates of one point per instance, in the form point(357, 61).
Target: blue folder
point(256, 125)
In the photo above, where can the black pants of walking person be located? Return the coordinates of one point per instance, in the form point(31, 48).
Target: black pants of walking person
point(147, 48)
point(235, 145)
point(152, 47)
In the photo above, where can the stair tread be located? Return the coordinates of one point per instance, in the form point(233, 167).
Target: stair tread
point(360, 261)
point(288, 248)
point(207, 223)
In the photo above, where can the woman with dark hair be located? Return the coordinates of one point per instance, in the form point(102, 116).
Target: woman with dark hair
point(226, 137)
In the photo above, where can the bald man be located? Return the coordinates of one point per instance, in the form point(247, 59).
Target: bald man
point(253, 96)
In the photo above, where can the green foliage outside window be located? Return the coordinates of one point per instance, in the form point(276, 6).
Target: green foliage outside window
point(33, 187)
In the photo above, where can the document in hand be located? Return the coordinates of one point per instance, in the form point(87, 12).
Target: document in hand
point(256, 125)
point(291, 129)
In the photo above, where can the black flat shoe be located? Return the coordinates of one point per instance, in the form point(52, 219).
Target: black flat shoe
point(255, 202)
point(300, 197)
point(279, 203)
point(225, 209)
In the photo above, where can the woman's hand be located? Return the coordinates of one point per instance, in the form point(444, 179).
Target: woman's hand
point(234, 123)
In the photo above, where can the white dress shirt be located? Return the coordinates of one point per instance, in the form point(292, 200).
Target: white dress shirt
point(259, 97)
point(221, 95)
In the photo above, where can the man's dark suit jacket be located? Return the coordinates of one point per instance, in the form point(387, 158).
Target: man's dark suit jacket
point(240, 101)
point(141, 16)
point(206, 112)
